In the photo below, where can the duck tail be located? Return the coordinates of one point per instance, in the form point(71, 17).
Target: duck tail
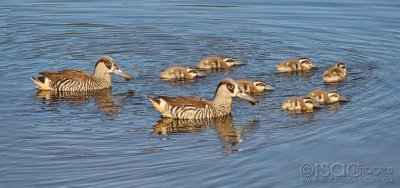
point(42, 83)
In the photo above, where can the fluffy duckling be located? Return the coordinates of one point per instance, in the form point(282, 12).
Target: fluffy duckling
point(181, 73)
point(252, 87)
point(215, 62)
point(198, 108)
point(77, 80)
point(300, 104)
point(324, 97)
point(300, 64)
point(335, 74)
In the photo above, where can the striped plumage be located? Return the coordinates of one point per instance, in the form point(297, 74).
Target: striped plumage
point(77, 80)
point(300, 64)
point(181, 73)
point(253, 87)
point(336, 73)
point(215, 62)
point(198, 108)
point(297, 104)
point(324, 97)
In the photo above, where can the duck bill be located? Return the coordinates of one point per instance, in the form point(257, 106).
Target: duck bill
point(317, 106)
point(123, 74)
point(343, 99)
point(269, 88)
point(313, 65)
point(239, 63)
point(248, 98)
point(201, 74)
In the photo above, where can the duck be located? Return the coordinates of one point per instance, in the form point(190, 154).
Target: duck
point(198, 108)
point(300, 64)
point(215, 62)
point(78, 80)
point(253, 87)
point(324, 97)
point(336, 73)
point(181, 73)
point(299, 104)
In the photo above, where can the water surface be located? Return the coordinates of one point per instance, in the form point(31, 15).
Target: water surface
point(116, 138)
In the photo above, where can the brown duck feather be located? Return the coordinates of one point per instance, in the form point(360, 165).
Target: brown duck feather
point(76, 75)
point(186, 101)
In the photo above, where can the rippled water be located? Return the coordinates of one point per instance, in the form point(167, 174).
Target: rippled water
point(116, 138)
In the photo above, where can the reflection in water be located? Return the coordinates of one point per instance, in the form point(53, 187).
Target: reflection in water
point(308, 115)
point(103, 99)
point(223, 127)
point(296, 73)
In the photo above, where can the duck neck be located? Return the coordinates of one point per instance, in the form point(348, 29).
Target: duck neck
point(102, 77)
point(222, 103)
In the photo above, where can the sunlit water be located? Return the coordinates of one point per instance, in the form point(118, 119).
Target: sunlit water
point(116, 138)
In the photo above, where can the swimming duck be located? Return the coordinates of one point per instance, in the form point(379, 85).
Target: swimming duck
point(252, 87)
point(181, 73)
point(324, 97)
point(300, 64)
point(198, 108)
point(77, 80)
point(215, 62)
point(300, 104)
point(335, 74)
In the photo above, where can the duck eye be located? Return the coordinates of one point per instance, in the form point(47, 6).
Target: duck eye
point(192, 71)
point(231, 87)
point(230, 60)
point(335, 95)
point(309, 101)
point(108, 64)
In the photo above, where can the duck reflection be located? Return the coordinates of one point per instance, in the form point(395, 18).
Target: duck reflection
point(223, 126)
point(102, 98)
point(306, 74)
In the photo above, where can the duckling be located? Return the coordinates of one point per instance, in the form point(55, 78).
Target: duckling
point(181, 73)
point(198, 108)
point(301, 64)
point(215, 62)
point(300, 104)
point(77, 80)
point(323, 97)
point(335, 74)
point(252, 87)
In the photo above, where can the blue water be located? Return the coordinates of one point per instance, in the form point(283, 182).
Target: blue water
point(117, 139)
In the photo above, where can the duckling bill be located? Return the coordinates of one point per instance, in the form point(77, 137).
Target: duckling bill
point(77, 80)
point(181, 73)
point(198, 108)
point(215, 62)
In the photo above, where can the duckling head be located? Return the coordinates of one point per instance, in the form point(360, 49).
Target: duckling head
point(193, 73)
point(229, 88)
point(261, 86)
point(342, 67)
point(230, 62)
point(310, 103)
point(334, 96)
point(106, 65)
point(306, 63)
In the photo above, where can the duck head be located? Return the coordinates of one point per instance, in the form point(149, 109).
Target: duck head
point(106, 65)
point(229, 88)
point(262, 86)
